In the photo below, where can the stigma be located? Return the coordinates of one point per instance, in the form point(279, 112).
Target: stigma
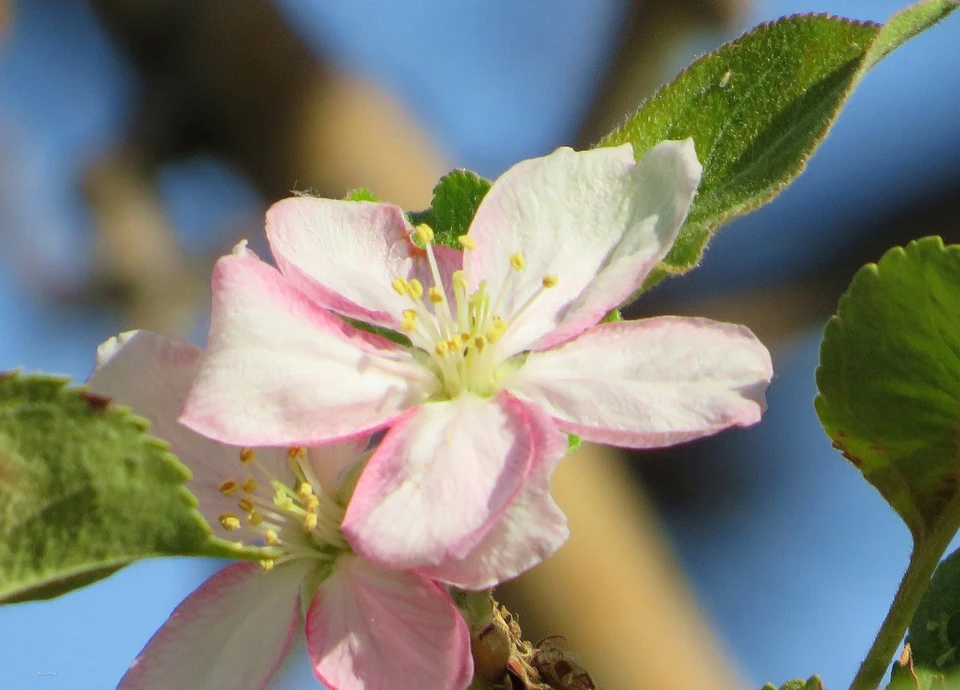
point(459, 332)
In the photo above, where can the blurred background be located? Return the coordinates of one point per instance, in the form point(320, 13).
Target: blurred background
point(140, 139)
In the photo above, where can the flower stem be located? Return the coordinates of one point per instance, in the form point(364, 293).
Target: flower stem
point(926, 555)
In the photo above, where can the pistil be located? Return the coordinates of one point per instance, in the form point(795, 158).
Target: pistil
point(460, 340)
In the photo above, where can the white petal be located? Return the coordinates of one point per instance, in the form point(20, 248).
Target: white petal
point(151, 375)
point(531, 529)
point(373, 629)
point(650, 383)
point(596, 220)
point(438, 477)
point(230, 634)
point(280, 370)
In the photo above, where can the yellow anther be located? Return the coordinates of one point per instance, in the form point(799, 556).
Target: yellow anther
point(309, 521)
point(499, 323)
point(267, 564)
point(296, 452)
point(246, 455)
point(228, 487)
point(424, 233)
point(550, 280)
point(250, 485)
point(245, 504)
point(459, 279)
point(479, 342)
point(313, 502)
point(435, 294)
point(304, 490)
point(516, 260)
point(399, 286)
point(455, 343)
point(255, 518)
point(271, 538)
point(467, 242)
point(415, 288)
point(409, 322)
point(441, 349)
point(230, 522)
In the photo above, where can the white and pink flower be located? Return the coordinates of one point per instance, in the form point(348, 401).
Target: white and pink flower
point(366, 626)
point(507, 352)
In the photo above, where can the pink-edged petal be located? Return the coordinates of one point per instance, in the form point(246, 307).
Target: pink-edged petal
point(585, 217)
point(531, 529)
point(345, 255)
point(230, 634)
point(332, 461)
point(374, 629)
point(650, 383)
point(280, 370)
point(664, 184)
point(439, 475)
point(151, 375)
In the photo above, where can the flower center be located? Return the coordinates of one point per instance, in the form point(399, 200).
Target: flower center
point(460, 335)
point(297, 521)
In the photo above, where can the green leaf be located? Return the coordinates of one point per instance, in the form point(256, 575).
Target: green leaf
point(889, 379)
point(934, 635)
point(455, 201)
point(757, 109)
point(392, 336)
point(361, 194)
point(84, 491)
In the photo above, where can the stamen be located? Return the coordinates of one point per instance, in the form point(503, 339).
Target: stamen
point(441, 349)
point(409, 322)
point(309, 521)
point(245, 504)
point(436, 295)
point(479, 342)
point(550, 281)
point(304, 490)
point(296, 453)
point(467, 242)
point(229, 522)
point(399, 286)
point(415, 288)
point(271, 538)
point(267, 564)
point(255, 518)
point(424, 233)
point(247, 455)
point(250, 485)
point(516, 260)
point(228, 487)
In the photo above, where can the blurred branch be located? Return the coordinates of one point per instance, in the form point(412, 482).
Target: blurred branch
point(6, 17)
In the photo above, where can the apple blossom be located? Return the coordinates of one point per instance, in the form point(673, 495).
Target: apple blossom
point(366, 627)
point(506, 346)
